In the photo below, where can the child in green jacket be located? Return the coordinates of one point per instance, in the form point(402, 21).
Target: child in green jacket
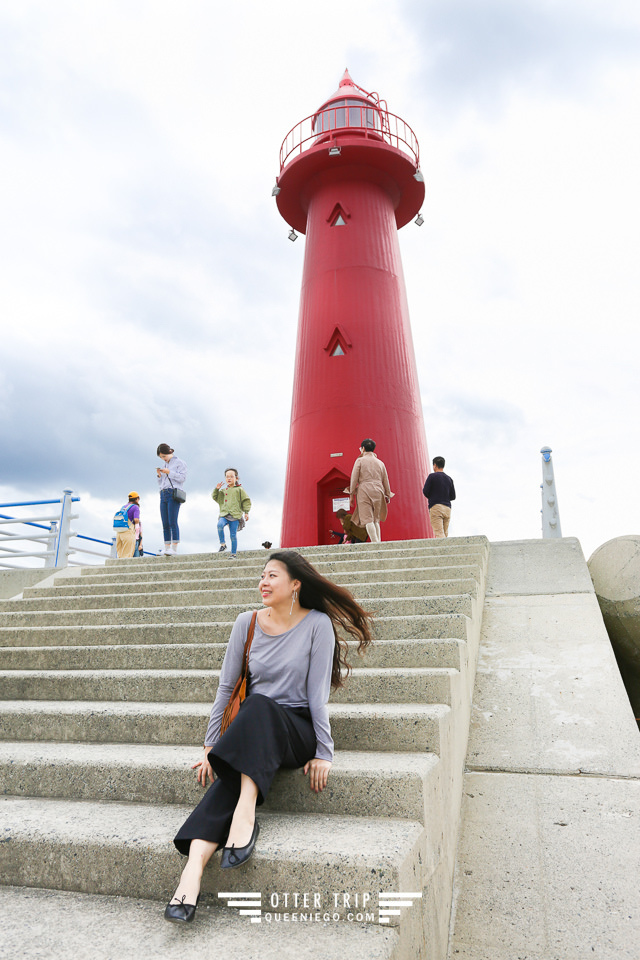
point(233, 502)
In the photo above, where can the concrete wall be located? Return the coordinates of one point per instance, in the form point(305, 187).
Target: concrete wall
point(547, 865)
point(13, 582)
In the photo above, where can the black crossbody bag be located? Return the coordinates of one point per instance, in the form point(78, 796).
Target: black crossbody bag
point(178, 495)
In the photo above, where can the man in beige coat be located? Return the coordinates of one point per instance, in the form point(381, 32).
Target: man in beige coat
point(370, 486)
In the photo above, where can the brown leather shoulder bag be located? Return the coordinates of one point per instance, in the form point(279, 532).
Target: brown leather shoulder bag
point(240, 690)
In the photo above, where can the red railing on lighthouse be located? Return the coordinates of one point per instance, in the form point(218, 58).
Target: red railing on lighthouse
point(350, 116)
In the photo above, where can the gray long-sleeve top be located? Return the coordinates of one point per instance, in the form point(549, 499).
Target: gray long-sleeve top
point(177, 474)
point(293, 668)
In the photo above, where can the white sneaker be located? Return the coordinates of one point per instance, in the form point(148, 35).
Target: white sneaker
point(171, 551)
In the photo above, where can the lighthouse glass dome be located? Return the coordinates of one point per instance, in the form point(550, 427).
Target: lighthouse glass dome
point(346, 113)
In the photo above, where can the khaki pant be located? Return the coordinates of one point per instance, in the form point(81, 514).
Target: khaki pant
point(440, 516)
point(125, 543)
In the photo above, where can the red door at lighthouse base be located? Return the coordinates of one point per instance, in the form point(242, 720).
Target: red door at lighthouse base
point(330, 489)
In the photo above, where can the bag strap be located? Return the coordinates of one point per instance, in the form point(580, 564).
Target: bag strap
point(247, 646)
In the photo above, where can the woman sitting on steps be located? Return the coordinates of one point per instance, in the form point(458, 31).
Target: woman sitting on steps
point(295, 659)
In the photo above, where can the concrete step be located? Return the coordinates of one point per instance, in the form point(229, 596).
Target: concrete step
point(394, 728)
point(126, 849)
point(113, 928)
point(365, 685)
point(403, 784)
point(100, 610)
point(365, 594)
point(244, 566)
point(101, 780)
point(214, 574)
point(330, 553)
point(428, 627)
point(206, 656)
point(162, 593)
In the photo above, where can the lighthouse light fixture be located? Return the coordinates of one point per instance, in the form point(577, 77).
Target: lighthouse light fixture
point(276, 190)
point(419, 220)
point(335, 151)
point(418, 176)
point(292, 235)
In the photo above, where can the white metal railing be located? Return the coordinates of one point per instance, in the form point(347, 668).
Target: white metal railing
point(55, 538)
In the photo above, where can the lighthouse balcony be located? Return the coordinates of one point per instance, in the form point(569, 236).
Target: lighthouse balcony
point(352, 118)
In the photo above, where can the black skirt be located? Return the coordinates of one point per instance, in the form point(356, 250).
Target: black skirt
point(263, 737)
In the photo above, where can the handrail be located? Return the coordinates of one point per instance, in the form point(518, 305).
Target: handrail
point(29, 523)
point(56, 538)
point(370, 121)
point(81, 536)
point(36, 503)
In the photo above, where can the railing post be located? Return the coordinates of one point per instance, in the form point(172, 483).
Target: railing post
point(50, 560)
point(550, 513)
point(61, 543)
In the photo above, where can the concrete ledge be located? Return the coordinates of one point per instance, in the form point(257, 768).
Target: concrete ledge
point(401, 783)
point(111, 847)
point(548, 692)
point(526, 567)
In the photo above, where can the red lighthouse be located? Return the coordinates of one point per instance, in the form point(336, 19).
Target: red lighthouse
point(349, 178)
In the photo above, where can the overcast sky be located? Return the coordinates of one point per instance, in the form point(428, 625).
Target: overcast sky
point(149, 293)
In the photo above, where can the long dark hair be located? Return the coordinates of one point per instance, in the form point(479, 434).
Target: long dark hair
point(318, 593)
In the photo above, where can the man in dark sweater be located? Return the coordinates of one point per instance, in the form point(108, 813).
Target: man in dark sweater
point(439, 491)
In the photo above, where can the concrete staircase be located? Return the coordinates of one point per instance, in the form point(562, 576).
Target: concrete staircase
point(107, 676)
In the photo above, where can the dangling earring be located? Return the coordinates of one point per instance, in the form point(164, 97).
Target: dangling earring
point(294, 597)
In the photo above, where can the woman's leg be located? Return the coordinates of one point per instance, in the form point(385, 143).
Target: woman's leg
point(174, 507)
point(233, 533)
point(373, 532)
point(244, 815)
point(378, 531)
point(200, 852)
point(164, 516)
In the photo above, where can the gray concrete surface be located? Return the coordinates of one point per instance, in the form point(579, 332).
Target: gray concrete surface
point(13, 582)
point(549, 868)
point(523, 567)
point(549, 855)
point(549, 695)
point(57, 925)
point(94, 783)
point(403, 783)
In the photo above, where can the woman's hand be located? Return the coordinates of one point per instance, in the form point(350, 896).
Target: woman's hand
point(318, 771)
point(246, 517)
point(162, 470)
point(203, 768)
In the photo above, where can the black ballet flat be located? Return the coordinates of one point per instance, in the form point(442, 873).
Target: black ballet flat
point(235, 856)
point(181, 912)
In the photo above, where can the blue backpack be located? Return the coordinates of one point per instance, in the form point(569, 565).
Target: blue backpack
point(121, 518)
